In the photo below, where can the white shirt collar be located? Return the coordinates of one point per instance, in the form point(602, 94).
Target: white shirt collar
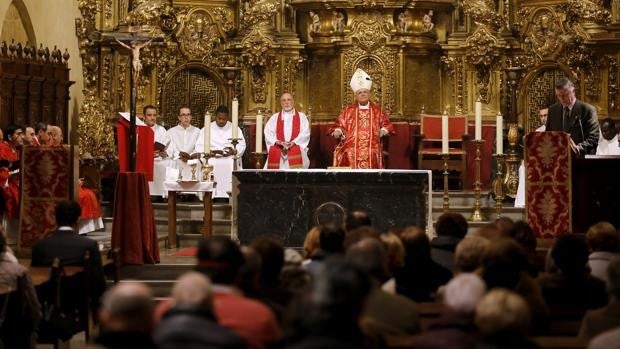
point(367, 106)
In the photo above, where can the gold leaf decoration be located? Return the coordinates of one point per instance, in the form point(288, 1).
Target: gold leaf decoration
point(95, 133)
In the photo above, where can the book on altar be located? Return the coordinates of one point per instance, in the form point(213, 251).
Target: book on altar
point(159, 146)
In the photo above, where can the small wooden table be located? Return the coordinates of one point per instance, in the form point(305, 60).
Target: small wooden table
point(192, 186)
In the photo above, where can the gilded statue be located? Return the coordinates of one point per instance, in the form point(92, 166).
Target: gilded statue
point(145, 12)
point(315, 25)
point(338, 22)
point(427, 21)
point(404, 20)
point(135, 47)
point(483, 12)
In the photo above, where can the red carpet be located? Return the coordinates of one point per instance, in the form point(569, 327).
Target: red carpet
point(185, 252)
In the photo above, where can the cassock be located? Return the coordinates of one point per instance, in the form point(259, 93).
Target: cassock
point(156, 186)
point(183, 139)
point(360, 147)
point(293, 127)
point(222, 166)
point(608, 147)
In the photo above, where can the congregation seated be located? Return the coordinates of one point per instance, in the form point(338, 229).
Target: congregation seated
point(606, 318)
point(603, 241)
point(451, 228)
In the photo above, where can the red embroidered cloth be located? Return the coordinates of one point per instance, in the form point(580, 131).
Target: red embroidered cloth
point(548, 186)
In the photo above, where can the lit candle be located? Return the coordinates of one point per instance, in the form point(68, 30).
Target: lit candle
point(207, 133)
point(444, 133)
point(478, 120)
point(499, 133)
point(259, 132)
point(235, 117)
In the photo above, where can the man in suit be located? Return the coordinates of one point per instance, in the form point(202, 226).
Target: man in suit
point(574, 117)
point(66, 245)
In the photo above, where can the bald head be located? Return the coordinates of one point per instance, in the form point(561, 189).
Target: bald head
point(127, 306)
point(192, 289)
point(55, 135)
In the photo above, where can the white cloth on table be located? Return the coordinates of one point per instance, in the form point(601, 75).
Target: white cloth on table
point(156, 186)
point(222, 166)
point(302, 139)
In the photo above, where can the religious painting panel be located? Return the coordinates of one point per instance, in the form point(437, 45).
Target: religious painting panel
point(421, 86)
point(323, 87)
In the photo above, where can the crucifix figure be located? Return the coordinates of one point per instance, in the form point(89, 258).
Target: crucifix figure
point(135, 48)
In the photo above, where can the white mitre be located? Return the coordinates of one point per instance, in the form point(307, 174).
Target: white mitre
point(360, 80)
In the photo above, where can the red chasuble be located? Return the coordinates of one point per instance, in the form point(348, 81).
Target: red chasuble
point(361, 148)
point(293, 153)
point(144, 148)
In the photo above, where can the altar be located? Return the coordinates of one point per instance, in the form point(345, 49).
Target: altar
point(287, 203)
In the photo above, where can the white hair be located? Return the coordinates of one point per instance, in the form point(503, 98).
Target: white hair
point(464, 292)
point(192, 288)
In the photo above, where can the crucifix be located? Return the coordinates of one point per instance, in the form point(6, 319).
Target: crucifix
point(134, 44)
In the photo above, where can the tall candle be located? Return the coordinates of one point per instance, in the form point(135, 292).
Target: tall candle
point(499, 133)
point(207, 133)
point(478, 120)
point(444, 133)
point(259, 132)
point(235, 117)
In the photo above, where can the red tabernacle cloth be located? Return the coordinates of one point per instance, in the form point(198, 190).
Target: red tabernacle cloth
point(548, 183)
point(144, 148)
point(133, 230)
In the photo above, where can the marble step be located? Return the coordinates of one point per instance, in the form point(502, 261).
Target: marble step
point(462, 198)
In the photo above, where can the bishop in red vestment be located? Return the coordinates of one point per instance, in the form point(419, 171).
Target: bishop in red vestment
point(360, 127)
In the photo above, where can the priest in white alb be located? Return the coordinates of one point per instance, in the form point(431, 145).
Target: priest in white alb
point(223, 152)
point(608, 142)
point(287, 135)
point(161, 158)
point(183, 139)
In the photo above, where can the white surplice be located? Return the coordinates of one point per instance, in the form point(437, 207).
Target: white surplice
point(302, 139)
point(183, 139)
point(606, 147)
point(222, 166)
point(156, 186)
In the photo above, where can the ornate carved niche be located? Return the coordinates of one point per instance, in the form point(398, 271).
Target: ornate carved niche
point(199, 32)
point(544, 34)
point(538, 93)
point(194, 86)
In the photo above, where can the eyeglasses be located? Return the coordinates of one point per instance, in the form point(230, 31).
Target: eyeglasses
point(186, 114)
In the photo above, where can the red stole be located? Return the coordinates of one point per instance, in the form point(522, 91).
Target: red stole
point(293, 153)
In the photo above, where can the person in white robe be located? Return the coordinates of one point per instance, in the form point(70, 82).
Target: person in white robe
point(161, 158)
point(289, 141)
point(520, 197)
point(608, 142)
point(183, 139)
point(223, 150)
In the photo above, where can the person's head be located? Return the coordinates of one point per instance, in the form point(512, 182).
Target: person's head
point(543, 114)
point(54, 134)
point(463, 292)
point(356, 219)
point(504, 224)
point(311, 242)
point(357, 234)
point(416, 244)
point(502, 313)
point(67, 213)
point(271, 253)
point(185, 117)
point(524, 235)
point(287, 102)
point(41, 130)
point(565, 92)
point(489, 231)
point(369, 255)
point(221, 116)
point(608, 129)
point(29, 136)
point(219, 258)
point(603, 236)
point(331, 239)
point(470, 253)
point(570, 254)
point(613, 278)
point(362, 96)
point(193, 289)
point(127, 306)
point(14, 134)
point(150, 115)
point(394, 249)
point(451, 224)
point(503, 264)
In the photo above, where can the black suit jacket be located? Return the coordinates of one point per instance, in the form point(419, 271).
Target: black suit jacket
point(583, 125)
point(70, 248)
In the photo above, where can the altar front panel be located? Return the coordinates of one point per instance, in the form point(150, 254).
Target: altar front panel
point(283, 203)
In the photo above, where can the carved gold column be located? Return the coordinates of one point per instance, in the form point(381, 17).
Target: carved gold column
point(513, 157)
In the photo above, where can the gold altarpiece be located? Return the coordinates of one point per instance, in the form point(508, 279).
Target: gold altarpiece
point(426, 55)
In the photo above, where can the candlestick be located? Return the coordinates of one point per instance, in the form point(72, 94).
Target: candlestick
point(235, 118)
point(207, 133)
point(445, 143)
point(259, 133)
point(499, 134)
point(234, 142)
point(259, 160)
point(446, 173)
point(477, 215)
point(478, 120)
point(498, 183)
